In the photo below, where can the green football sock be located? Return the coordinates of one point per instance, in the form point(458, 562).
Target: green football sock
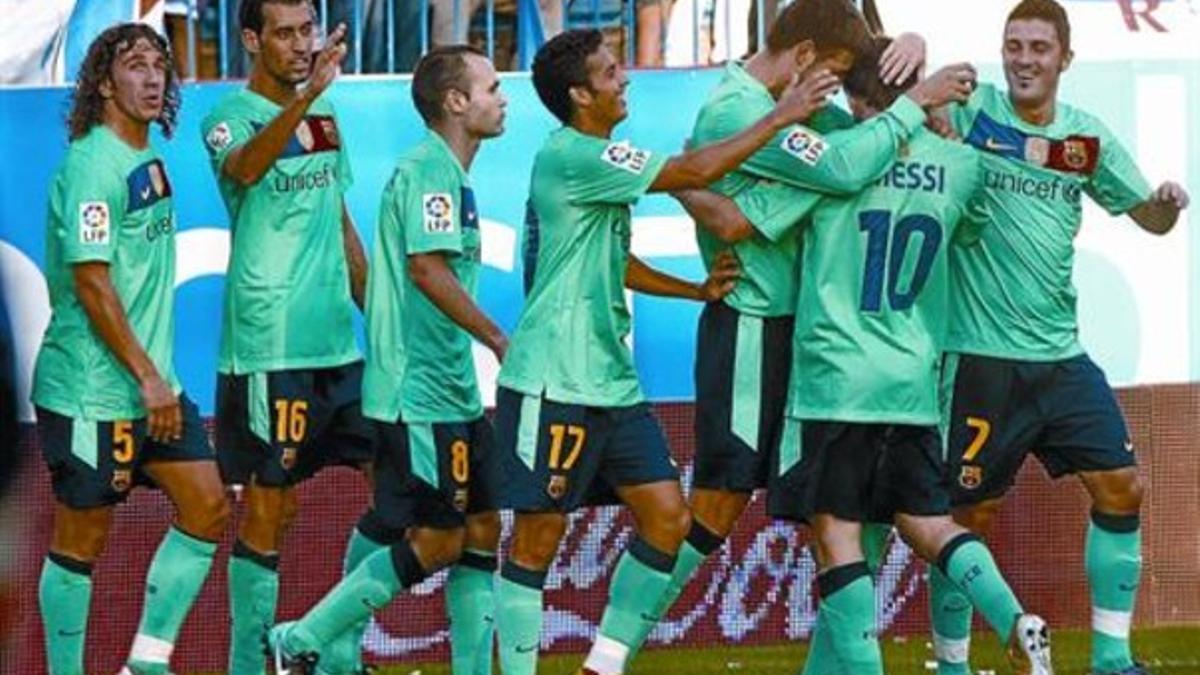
point(821, 659)
point(699, 544)
point(968, 564)
point(176, 574)
point(470, 606)
point(1113, 557)
point(950, 616)
point(519, 618)
point(64, 596)
point(874, 539)
point(370, 587)
point(848, 612)
point(253, 592)
point(635, 598)
point(344, 654)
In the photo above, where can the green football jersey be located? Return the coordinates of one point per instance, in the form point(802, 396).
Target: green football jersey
point(841, 162)
point(419, 363)
point(109, 203)
point(1014, 296)
point(874, 288)
point(287, 291)
point(570, 340)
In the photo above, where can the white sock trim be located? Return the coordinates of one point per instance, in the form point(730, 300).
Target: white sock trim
point(947, 650)
point(1112, 623)
point(607, 656)
point(149, 649)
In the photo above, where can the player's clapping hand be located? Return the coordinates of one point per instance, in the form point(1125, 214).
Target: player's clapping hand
point(803, 97)
point(1172, 193)
point(722, 278)
point(903, 57)
point(952, 84)
point(328, 62)
point(164, 418)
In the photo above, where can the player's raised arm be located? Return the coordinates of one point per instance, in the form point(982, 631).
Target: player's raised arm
point(356, 259)
point(248, 163)
point(844, 162)
point(701, 167)
point(642, 278)
point(1159, 213)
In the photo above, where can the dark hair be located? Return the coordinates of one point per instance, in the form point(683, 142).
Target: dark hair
point(1046, 10)
point(561, 64)
point(863, 80)
point(442, 69)
point(830, 24)
point(250, 13)
point(87, 105)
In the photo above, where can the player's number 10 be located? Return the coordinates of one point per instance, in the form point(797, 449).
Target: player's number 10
point(886, 261)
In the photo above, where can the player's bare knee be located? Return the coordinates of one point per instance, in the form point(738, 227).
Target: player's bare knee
point(81, 534)
point(436, 548)
point(1118, 492)
point(536, 538)
point(483, 531)
point(978, 518)
point(926, 535)
point(838, 541)
point(718, 511)
point(206, 517)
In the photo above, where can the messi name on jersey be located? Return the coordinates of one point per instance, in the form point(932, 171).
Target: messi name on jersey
point(915, 176)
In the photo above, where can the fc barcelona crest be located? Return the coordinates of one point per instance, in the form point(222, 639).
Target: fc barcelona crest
point(331, 131)
point(1075, 154)
point(971, 477)
point(557, 489)
point(288, 458)
point(460, 500)
point(122, 480)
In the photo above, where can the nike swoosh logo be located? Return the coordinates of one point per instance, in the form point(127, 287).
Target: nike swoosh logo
point(1128, 446)
point(1127, 588)
point(70, 633)
point(146, 193)
point(526, 650)
point(371, 607)
point(996, 146)
point(649, 617)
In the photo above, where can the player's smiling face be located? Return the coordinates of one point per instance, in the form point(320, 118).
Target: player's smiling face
point(138, 82)
point(607, 82)
point(285, 47)
point(485, 102)
point(1034, 59)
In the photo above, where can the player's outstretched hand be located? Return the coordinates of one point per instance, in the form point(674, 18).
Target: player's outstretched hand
point(1172, 193)
point(499, 346)
point(328, 62)
point(804, 97)
point(164, 418)
point(722, 278)
point(952, 84)
point(903, 57)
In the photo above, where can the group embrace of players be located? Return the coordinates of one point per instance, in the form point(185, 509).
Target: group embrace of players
point(889, 330)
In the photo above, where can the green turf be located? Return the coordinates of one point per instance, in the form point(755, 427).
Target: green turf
point(1168, 651)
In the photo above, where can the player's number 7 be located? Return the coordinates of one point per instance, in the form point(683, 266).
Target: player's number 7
point(983, 429)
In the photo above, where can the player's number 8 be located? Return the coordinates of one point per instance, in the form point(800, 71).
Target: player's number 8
point(460, 461)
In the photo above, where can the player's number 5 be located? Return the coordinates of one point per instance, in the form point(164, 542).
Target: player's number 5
point(558, 435)
point(123, 441)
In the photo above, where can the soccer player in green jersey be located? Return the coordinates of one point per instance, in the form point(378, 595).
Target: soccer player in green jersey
point(1019, 379)
point(420, 387)
point(860, 442)
point(290, 373)
point(571, 418)
point(111, 412)
point(744, 342)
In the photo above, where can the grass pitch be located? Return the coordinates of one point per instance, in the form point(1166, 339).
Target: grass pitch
point(1167, 651)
